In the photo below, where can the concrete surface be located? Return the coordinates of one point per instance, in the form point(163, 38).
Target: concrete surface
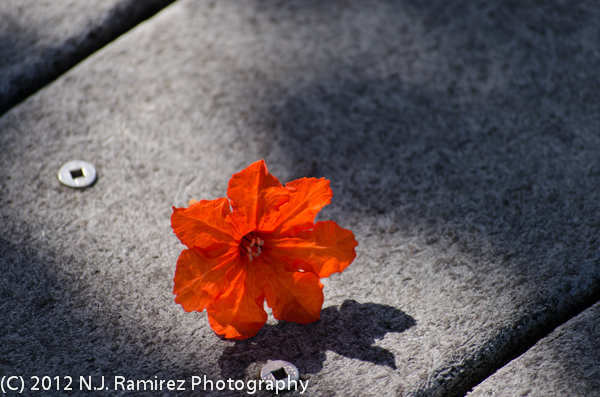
point(565, 363)
point(461, 141)
point(40, 40)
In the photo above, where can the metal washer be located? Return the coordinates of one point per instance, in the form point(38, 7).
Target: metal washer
point(290, 369)
point(77, 174)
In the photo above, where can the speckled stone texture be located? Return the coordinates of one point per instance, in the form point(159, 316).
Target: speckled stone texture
point(461, 141)
point(41, 39)
point(565, 363)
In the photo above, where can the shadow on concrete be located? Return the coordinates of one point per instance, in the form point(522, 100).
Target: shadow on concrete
point(350, 331)
point(512, 186)
point(14, 38)
point(54, 324)
point(493, 151)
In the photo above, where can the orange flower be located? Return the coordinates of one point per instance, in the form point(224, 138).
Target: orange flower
point(260, 244)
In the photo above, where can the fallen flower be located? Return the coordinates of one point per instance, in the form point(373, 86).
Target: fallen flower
point(260, 244)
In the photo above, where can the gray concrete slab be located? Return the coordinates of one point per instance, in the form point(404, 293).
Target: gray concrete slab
point(40, 40)
point(461, 144)
point(565, 363)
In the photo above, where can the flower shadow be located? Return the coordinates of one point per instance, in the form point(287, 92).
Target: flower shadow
point(349, 330)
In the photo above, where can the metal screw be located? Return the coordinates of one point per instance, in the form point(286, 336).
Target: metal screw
point(279, 370)
point(77, 174)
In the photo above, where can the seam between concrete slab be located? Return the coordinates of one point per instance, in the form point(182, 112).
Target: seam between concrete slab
point(37, 74)
point(529, 342)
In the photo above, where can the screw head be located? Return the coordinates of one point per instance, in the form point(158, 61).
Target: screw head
point(279, 370)
point(77, 174)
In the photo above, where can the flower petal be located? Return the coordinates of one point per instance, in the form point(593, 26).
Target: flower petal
point(204, 224)
point(238, 313)
point(293, 296)
point(324, 250)
point(307, 197)
point(201, 275)
point(255, 197)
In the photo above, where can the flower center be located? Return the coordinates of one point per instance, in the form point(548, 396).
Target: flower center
point(250, 245)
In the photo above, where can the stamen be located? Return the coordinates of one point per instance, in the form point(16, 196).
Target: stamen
point(248, 241)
